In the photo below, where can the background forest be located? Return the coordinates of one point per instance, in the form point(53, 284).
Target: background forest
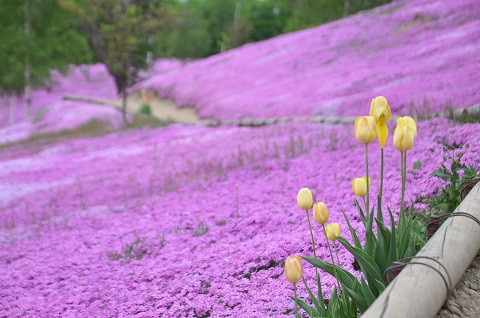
point(40, 35)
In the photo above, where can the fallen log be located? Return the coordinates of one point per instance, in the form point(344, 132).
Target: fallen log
point(94, 101)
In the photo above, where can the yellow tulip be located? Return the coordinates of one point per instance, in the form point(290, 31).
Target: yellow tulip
point(380, 110)
point(305, 199)
point(332, 231)
point(293, 269)
point(382, 133)
point(359, 186)
point(412, 124)
point(320, 213)
point(405, 133)
point(364, 129)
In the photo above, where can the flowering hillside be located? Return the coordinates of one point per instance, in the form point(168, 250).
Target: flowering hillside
point(183, 221)
point(52, 114)
point(422, 54)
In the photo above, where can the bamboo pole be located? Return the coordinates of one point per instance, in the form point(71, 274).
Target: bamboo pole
point(419, 290)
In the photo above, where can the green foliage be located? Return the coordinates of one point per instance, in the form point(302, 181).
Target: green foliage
point(301, 14)
point(187, 37)
point(53, 42)
point(338, 306)
point(145, 109)
point(205, 27)
point(417, 165)
point(201, 229)
point(419, 228)
point(92, 128)
point(119, 32)
point(134, 250)
point(456, 174)
point(377, 254)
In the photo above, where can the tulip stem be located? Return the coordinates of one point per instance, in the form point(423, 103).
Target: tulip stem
point(365, 205)
point(331, 255)
point(311, 234)
point(368, 183)
point(295, 294)
point(336, 252)
point(404, 176)
point(381, 174)
point(313, 245)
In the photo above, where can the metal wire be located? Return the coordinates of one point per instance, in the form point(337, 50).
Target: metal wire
point(446, 216)
point(447, 280)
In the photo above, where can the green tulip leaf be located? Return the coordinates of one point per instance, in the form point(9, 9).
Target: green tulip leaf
point(312, 312)
point(320, 308)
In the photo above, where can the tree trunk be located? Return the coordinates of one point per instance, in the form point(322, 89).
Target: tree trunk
point(236, 36)
point(4, 100)
point(28, 75)
point(124, 105)
point(346, 8)
point(11, 113)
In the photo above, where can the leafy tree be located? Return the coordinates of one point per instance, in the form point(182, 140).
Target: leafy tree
point(121, 33)
point(265, 18)
point(308, 13)
point(37, 36)
point(205, 27)
point(186, 36)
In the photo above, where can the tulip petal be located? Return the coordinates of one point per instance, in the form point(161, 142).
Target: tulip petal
point(382, 133)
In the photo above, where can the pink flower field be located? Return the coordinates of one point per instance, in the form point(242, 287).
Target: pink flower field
point(197, 221)
point(422, 54)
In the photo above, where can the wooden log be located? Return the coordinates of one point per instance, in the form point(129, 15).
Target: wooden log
point(94, 101)
point(420, 291)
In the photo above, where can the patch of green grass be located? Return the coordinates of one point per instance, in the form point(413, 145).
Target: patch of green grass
point(145, 109)
point(134, 250)
point(222, 222)
point(392, 9)
point(201, 229)
point(39, 115)
point(142, 120)
point(418, 19)
point(92, 128)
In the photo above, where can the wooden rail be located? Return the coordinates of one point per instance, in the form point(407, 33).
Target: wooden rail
point(420, 290)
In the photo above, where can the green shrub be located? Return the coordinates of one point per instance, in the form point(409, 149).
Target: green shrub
point(456, 174)
point(145, 109)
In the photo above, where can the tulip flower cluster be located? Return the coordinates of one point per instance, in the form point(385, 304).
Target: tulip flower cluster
point(366, 130)
point(293, 265)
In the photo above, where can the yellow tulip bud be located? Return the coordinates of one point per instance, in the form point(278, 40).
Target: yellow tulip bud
point(380, 110)
point(382, 133)
point(364, 129)
point(404, 135)
point(359, 186)
point(320, 213)
point(305, 199)
point(332, 231)
point(412, 124)
point(293, 269)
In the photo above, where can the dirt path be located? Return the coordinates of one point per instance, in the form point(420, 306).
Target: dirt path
point(165, 109)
